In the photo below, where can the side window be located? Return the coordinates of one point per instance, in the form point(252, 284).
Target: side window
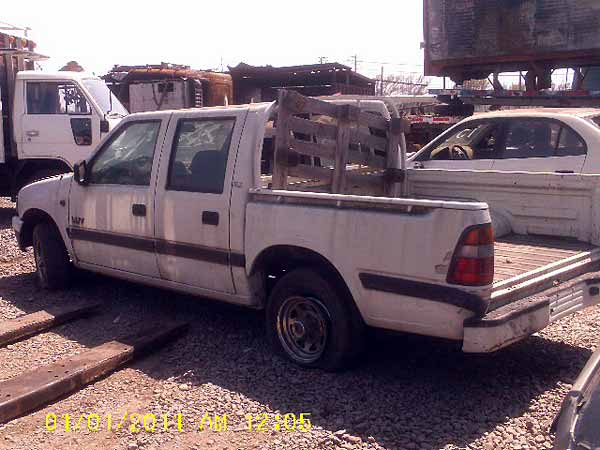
point(199, 157)
point(127, 157)
point(541, 138)
point(471, 140)
point(570, 143)
point(55, 98)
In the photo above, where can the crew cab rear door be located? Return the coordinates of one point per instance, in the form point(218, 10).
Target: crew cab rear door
point(193, 197)
point(111, 218)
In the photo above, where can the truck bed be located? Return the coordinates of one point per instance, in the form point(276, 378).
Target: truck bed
point(528, 264)
point(517, 254)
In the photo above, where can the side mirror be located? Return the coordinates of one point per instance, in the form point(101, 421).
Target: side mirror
point(104, 126)
point(79, 173)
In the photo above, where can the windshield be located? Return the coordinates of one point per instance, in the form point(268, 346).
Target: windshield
point(596, 120)
point(104, 97)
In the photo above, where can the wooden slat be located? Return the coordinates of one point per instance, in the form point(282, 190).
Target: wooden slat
point(28, 325)
point(342, 147)
point(297, 103)
point(321, 130)
point(368, 139)
point(373, 180)
point(311, 172)
point(282, 142)
point(366, 159)
point(313, 149)
point(38, 387)
point(373, 121)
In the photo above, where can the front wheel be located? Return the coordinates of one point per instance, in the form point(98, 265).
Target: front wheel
point(51, 257)
point(312, 323)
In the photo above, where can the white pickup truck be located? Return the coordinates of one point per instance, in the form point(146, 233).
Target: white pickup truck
point(177, 199)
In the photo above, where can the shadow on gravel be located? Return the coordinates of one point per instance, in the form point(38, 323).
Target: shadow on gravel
point(6, 214)
point(407, 392)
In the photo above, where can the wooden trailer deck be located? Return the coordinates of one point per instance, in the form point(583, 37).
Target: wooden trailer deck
point(518, 254)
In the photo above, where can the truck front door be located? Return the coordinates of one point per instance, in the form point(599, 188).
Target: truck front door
point(58, 121)
point(193, 198)
point(112, 216)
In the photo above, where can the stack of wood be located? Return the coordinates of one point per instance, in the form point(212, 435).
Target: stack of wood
point(361, 149)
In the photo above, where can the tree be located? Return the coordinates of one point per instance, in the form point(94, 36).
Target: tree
point(402, 84)
point(72, 66)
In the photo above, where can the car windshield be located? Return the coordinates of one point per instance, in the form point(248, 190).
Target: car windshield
point(106, 100)
point(596, 120)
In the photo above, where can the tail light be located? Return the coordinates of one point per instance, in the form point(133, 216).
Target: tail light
point(473, 260)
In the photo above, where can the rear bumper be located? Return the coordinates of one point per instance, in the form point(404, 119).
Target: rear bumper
point(521, 318)
point(17, 226)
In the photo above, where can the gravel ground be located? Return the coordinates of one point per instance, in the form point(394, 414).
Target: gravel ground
point(408, 393)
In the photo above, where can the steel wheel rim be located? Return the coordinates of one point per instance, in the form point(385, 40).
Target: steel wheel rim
point(38, 253)
point(303, 328)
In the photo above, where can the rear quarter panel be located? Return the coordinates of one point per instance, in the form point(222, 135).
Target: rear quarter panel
point(415, 247)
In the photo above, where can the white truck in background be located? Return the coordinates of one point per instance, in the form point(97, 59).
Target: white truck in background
point(49, 120)
point(180, 200)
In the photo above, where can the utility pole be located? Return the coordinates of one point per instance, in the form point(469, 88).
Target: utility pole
point(322, 59)
point(355, 57)
point(381, 83)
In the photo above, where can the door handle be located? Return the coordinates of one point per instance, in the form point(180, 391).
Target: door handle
point(138, 210)
point(564, 171)
point(210, 218)
point(418, 165)
point(33, 133)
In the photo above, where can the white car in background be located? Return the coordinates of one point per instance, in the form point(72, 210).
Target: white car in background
point(562, 141)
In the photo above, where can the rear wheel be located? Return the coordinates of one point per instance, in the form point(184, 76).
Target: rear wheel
point(312, 322)
point(51, 257)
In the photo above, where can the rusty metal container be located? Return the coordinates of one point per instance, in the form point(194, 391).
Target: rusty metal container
point(467, 39)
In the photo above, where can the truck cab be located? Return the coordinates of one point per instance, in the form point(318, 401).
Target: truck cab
point(61, 115)
point(50, 120)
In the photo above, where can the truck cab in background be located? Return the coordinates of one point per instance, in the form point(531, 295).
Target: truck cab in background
point(51, 120)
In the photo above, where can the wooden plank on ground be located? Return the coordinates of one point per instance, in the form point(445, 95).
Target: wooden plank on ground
point(36, 388)
point(25, 326)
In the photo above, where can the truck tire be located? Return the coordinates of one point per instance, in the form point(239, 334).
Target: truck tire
point(51, 258)
point(312, 323)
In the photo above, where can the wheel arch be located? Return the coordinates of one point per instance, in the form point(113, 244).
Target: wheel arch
point(31, 218)
point(273, 262)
